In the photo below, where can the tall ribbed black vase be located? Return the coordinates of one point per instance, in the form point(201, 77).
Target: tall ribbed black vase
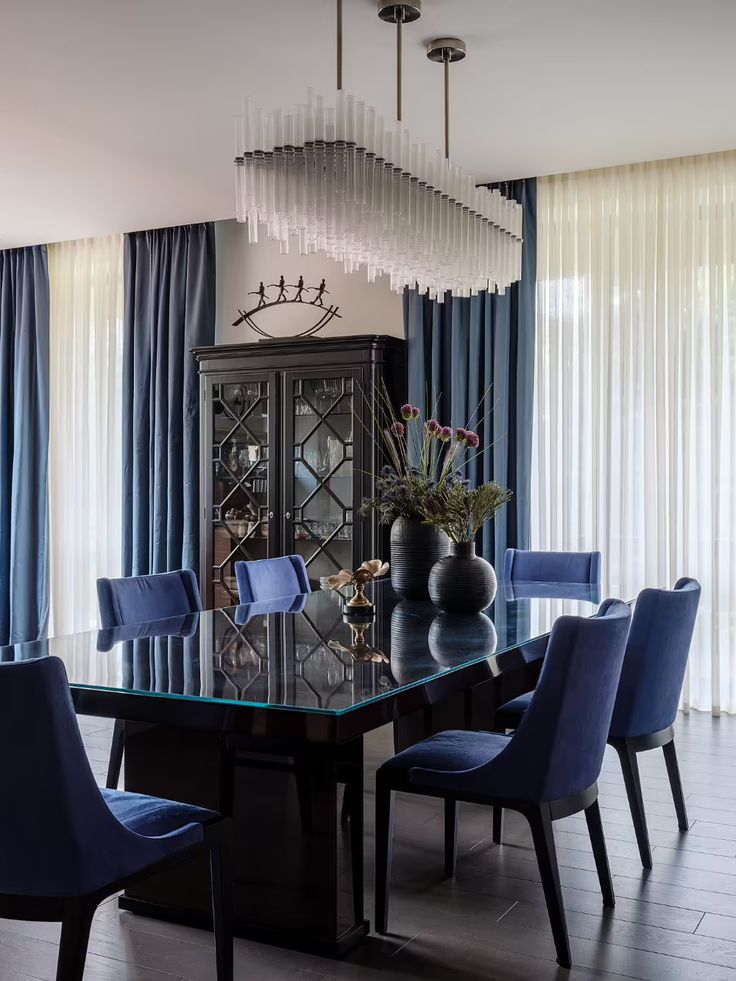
point(415, 548)
point(462, 582)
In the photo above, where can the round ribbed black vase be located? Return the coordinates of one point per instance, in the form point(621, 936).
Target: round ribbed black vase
point(415, 548)
point(462, 582)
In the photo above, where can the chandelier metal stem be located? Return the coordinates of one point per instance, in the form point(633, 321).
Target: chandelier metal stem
point(399, 65)
point(339, 45)
point(447, 108)
point(399, 12)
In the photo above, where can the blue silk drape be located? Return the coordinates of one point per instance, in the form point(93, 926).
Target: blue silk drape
point(169, 309)
point(24, 443)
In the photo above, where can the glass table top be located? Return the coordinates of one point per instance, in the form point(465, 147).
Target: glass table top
point(300, 653)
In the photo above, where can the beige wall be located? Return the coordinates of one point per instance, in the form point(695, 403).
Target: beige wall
point(366, 308)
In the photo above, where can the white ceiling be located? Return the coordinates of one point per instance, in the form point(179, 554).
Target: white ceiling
point(118, 115)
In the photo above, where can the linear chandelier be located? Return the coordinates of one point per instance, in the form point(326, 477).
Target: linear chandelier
point(337, 179)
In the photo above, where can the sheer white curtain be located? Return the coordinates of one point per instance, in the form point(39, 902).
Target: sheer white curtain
point(85, 453)
point(635, 388)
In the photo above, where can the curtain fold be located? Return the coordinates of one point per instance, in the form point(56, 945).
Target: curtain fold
point(24, 438)
point(463, 351)
point(85, 451)
point(635, 406)
point(169, 278)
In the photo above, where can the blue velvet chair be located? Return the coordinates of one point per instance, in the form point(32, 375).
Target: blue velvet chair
point(67, 845)
point(574, 567)
point(649, 692)
point(547, 770)
point(267, 579)
point(138, 600)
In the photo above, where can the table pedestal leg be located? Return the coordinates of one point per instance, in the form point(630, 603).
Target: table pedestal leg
point(298, 872)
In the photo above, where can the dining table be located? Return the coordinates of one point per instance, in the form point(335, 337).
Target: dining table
point(260, 712)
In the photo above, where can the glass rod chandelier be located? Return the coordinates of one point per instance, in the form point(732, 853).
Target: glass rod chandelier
point(337, 179)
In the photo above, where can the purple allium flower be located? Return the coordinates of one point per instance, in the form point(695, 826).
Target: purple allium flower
point(409, 411)
point(472, 439)
point(433, 427)
point(396, 429)
point(461, 435)
point(445, 433)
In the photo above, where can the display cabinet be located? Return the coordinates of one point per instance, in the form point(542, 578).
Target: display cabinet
point(289, 450)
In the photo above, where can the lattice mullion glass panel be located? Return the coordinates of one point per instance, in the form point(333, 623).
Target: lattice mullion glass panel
point(323, 472)
point(240, 475)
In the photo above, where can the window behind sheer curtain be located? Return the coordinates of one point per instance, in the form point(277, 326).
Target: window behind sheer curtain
point(85, 453)
point(635, 387)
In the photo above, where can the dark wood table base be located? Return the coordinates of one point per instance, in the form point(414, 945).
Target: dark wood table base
point(298, 872)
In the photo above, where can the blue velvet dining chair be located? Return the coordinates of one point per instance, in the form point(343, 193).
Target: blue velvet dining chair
point(547, 770)
point(67, 845)
point(267, 579)
point(137, 600)
point(648, 695)
point(571, 567)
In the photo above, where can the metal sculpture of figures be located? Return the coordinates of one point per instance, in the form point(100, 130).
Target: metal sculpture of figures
point(261, 294)
point(321, 290)
point(325, 316)
point(282, 287)
point(299, 287)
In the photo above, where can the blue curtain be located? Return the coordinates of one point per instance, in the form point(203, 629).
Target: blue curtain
point(169, 309)
point(24, 443)
point(462, 348)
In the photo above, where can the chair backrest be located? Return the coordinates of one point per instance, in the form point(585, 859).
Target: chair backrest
point(140, 599)
point(59, 836)
point(267, 579)
point(526, 566)
point(656, 659)
point(557, 751)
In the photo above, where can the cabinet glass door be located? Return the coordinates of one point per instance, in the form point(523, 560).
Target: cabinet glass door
point(241, 492)
point(321, 495)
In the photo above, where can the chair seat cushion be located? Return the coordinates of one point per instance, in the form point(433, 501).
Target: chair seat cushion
point(152, 816)
point(510, 715)
point(451, 750)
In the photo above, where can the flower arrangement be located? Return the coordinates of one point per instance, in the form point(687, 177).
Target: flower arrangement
point(424, 456)
point(423, 478)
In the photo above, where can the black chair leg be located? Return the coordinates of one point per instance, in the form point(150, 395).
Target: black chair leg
point(75, 927)
point(673, 772)
point(497, 824)
point(304, 792)
point(540, 822)
point(598, 841)
point(345, 809)
point(116, 755)
point(630, 768)
point(384, 845)
point(221, 871)
point(354, 796)
point(450, 837)
point(397, 747)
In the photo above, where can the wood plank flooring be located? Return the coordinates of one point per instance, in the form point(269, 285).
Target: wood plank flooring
point(675, 923)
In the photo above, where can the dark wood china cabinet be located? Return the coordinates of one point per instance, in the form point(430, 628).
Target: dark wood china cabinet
point(288, 452)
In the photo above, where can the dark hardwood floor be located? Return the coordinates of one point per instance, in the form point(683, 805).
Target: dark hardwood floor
point(675, 923)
